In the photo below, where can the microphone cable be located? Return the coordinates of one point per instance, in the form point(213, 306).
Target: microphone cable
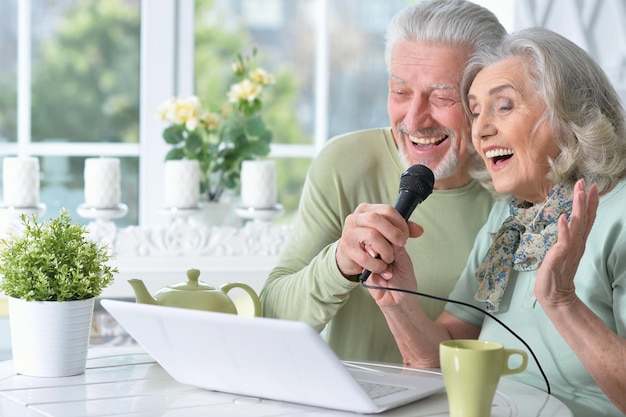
point(518, 337)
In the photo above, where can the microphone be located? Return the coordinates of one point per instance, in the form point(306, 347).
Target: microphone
point(416, 184)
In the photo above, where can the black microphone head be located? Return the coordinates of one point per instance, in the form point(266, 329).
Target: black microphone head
point(418, 179)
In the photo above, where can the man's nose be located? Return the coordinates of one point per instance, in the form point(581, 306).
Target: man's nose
point(419, 114)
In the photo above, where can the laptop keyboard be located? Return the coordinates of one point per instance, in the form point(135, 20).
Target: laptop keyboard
point(380, 390)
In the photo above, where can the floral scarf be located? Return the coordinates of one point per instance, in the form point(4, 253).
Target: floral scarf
point(521, 243)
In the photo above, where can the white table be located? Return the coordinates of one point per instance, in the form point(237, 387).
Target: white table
point(126, 381)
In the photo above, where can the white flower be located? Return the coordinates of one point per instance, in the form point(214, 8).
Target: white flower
point(181, 111)
point(260, 76)
point(164, 109)
point(245, 90)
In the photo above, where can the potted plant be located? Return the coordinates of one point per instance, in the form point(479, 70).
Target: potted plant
point(51, 273)
point(220, 138)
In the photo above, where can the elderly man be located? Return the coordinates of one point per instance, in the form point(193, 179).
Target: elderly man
point(346, 222)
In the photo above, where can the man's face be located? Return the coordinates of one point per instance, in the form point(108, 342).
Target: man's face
point(426, 112)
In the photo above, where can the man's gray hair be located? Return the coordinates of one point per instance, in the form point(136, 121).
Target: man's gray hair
point(447, 22)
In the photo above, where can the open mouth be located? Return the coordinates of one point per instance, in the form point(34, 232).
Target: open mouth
point(498, 156)
point(427, 142)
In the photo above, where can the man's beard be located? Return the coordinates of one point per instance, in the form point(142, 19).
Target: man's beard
point(446, 168)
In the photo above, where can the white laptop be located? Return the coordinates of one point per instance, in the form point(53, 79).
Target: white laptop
point(265, 358)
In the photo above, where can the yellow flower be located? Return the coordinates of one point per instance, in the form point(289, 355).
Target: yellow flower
point(181, 111)
point(186, 111)
point(246, 90)
point(260, 76)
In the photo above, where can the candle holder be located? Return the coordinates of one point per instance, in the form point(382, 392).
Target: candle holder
point(10, 219)
point(102, 214)
point(179, 212)
point(263, 214)
point(38, 210)
point(11, 215)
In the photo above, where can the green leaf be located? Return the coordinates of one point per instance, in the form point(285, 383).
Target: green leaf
point(175, 154)
point(255, 126)
point(231, 179)
point(194, 144)
point(266, 136)
point(174, 134)
point(259, 148)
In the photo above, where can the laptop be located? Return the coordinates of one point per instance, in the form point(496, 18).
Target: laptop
point(265, 358)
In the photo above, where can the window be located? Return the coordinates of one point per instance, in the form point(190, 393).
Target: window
point(328, 60)
point(69, 89)
point(84, 78)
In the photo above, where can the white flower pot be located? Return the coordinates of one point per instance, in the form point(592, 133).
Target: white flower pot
point(50, 338)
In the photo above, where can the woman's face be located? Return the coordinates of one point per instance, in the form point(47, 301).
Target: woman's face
point(506, 130)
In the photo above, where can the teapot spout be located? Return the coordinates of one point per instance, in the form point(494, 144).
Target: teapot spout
point(141, 292)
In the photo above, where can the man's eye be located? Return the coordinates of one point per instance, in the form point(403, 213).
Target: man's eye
point(444, 101)
point(400, 95)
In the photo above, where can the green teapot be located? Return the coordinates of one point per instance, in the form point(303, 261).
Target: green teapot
point(195, 294)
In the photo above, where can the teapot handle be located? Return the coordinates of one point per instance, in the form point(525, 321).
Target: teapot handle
point(253, 295)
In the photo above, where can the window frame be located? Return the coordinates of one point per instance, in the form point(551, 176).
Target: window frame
point(167, 35)
point(166, 70)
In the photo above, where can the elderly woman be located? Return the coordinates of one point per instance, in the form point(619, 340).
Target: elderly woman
point(550, 262)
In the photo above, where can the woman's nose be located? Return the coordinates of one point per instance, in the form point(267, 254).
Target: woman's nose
point(482, 127)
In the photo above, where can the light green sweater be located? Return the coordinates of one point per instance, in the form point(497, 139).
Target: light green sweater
point(306, 285)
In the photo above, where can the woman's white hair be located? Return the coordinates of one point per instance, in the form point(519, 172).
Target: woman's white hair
point(583, 108)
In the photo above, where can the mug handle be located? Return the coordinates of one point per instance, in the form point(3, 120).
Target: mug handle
point(507, 354)
point(253, 295)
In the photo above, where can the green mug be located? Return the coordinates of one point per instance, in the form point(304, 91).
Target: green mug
point(471, 371)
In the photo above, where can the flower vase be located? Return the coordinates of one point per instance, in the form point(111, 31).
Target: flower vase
point(220, 213)
point(50, 338)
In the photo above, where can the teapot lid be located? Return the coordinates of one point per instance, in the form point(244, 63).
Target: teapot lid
point(192, 283)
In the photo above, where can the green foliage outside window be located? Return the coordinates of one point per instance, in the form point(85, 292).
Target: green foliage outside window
point(86, 77)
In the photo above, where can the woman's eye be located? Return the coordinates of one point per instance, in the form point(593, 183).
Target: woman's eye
point(504, 106)
point(475, 111)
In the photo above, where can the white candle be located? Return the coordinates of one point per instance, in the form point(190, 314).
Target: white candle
point(102, 183)
point(20, 180)
point(258, 184)
point(182, 183)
